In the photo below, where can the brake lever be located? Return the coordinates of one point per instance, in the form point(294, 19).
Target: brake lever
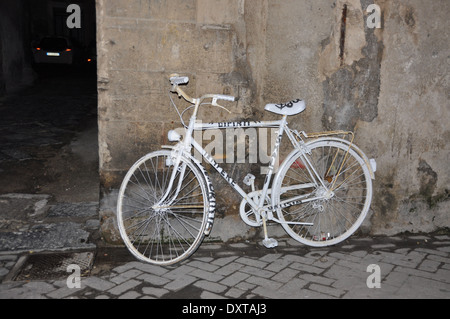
point(214, 103)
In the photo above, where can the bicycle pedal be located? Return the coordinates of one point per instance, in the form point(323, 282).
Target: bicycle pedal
point(270, 243)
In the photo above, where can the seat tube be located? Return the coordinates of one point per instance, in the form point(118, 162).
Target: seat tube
point(273, 160)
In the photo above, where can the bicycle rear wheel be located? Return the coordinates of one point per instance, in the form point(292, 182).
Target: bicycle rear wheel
point(159, 227)
point(333, 219)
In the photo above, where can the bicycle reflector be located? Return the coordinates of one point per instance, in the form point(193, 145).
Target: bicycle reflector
point(173, 136)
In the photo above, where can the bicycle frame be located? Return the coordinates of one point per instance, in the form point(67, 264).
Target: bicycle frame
point(247, 124)
point(184, 148)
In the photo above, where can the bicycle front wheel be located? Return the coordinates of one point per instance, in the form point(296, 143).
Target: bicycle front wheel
point(160, 224)
point(326, 220)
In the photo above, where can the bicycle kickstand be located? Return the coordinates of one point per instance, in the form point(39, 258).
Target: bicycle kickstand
point(268, 242)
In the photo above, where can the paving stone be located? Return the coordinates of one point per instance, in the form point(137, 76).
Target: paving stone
point(299, 259)
point(306, 268)
point(444, 249)
point(152, 269)
point(97, 283)
point(210, 295)
point(157, 292)
point(293, 287)
point(270, 258)
point(363, 292)
point(270, 293)
point(263, 282)
point(324, 262)
point(234, 279)
point(327, 290)
point(179, 272)
point(278, 265)
point(420, 287)
point(245, 285)
point(285, 275)
point(429, 265)
point(350, 257)
point(257, 271)
point(120, 289)
point(251, 262)
point(125, 276)
point(130, 295)
point(180, 283)
point(337, 272)
point(203, 265)
point(234, 293)
point(440, 275)
point(432, 251)
point(224, 260)
point(439, 259)
point(203, 274)
point(210, 286)
point(64, 292)
point(229, 269)
point(316, 279)
point(396, 278)
point(39, 287)
point(154, 280)
point(410, 260)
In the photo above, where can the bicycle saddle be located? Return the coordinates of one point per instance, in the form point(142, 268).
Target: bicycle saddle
point(290, 108)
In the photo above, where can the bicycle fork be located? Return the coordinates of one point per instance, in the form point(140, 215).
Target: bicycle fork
point(178, 167)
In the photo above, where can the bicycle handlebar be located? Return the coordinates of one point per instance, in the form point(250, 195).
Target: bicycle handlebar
point(225, 97)
point(177, 80)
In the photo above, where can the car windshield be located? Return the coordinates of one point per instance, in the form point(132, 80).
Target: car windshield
point(54, 44)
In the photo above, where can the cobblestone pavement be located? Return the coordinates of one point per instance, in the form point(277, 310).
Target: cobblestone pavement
point(407, 267)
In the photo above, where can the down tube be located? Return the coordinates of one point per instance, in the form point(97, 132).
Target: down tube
point(224, 174)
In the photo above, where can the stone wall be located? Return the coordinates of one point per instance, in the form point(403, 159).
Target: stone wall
point(389, 85)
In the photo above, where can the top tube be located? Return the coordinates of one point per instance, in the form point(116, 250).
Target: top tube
point(225, 125)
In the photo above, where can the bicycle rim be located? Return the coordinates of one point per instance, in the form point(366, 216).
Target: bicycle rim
point(162, 232)
point(336, 218)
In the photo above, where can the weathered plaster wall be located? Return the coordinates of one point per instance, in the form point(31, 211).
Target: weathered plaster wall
point(389, 85)
point(409, 135)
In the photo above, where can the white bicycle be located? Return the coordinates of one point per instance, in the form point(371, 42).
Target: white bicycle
point(320, 194)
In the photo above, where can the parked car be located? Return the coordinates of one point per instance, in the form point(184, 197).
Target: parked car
point(53, 49)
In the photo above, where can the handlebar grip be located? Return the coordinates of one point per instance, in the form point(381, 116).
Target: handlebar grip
point(225, 97)
point(177, 80)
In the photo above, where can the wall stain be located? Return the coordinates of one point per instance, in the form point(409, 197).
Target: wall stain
point(428, 181)
point(351, 93)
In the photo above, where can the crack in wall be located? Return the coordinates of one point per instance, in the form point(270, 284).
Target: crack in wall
point(351, 91)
